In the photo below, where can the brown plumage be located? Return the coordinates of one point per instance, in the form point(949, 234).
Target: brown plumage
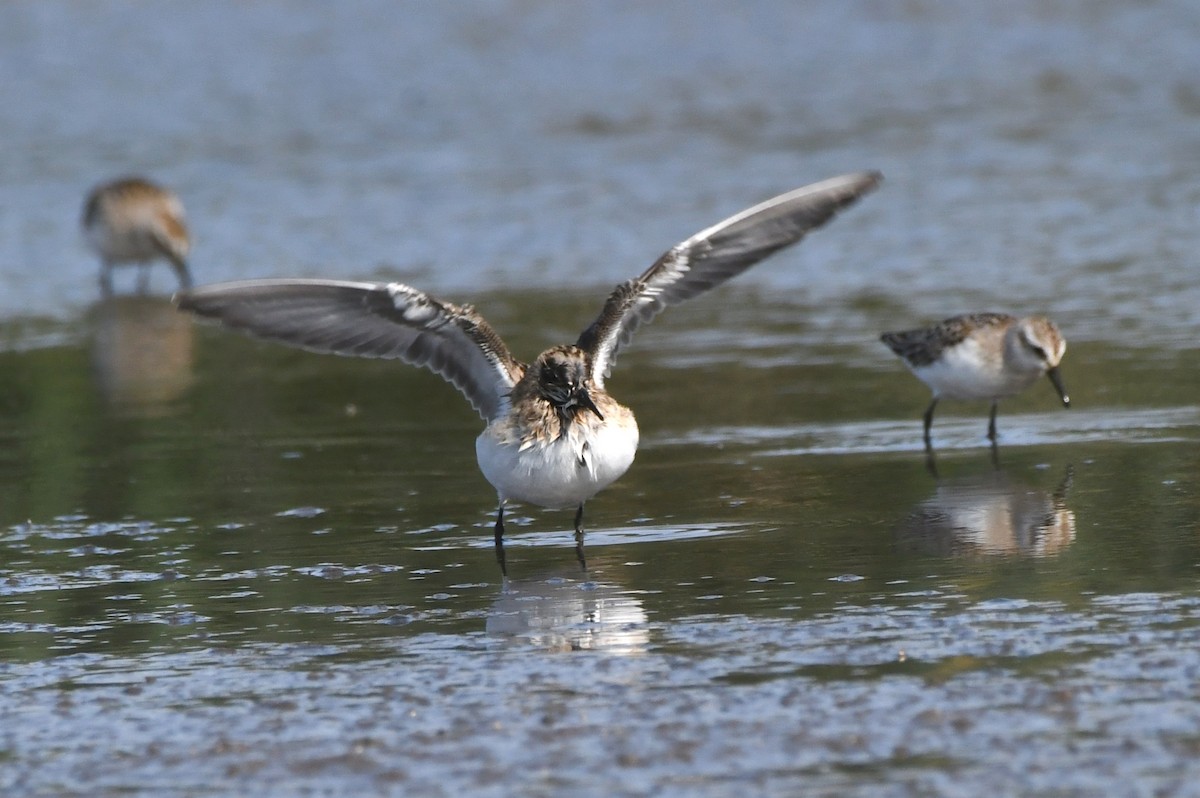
point(981, 356)
point(135, 221)
point(924, 345)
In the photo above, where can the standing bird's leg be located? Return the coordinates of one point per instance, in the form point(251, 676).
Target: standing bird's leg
point(182, 272)
point(929, 423)
point(579, 538)
point(992, 437)
point(500, 539)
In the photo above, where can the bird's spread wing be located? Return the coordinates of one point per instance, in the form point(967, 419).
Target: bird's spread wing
point(713, 256)
point(923, 346)
point(381, 320)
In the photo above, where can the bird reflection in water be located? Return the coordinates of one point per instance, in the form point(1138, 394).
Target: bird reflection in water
point(991, 515)
point(564, 614)
point(141, 353)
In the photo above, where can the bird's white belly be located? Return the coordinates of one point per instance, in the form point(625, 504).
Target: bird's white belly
point(966, 372)
point(121, 247)
point(562, 472)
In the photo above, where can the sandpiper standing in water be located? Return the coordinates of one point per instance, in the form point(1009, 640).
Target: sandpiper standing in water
point(554, 436)
point(132, 220)
point(981, 356)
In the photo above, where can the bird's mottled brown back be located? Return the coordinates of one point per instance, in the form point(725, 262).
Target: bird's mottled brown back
point(923, 346)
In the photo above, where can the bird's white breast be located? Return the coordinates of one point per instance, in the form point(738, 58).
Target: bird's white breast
point(560, 472)
point(970, 370)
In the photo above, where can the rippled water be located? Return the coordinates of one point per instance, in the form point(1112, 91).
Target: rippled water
point(228, 568)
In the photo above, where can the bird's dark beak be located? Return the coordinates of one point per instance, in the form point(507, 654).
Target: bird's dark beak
point(1056, 380)
point(584, 399)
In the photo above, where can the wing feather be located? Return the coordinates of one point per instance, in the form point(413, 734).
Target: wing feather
point(377, 320)
point(713, 256)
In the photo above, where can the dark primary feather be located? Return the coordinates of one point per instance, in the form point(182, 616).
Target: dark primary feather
point(713, 256)
point(925, 345)
point(380, 320)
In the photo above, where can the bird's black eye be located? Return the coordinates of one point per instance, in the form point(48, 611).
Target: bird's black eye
point(1038, 351)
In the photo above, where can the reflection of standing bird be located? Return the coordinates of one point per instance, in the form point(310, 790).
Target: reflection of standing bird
point(981, 356)
point(558, 614)
point(554, 436)
point(141, 353)
point(135, 221)
point(990, 515)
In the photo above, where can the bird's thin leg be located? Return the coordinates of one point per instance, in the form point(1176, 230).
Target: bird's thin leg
point(579, 538)
point(992, 423)
point(500, 539)
point(929, 423)
point(183, 273)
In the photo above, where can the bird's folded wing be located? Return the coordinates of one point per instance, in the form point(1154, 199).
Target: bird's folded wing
point(924, 345)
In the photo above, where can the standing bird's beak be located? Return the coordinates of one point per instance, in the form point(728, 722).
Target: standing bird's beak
point(584, 400)
point(1056, 380)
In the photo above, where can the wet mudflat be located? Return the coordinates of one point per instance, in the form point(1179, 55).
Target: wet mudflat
point(228, 568)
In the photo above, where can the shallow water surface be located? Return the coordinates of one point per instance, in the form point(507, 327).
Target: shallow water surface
point(230, 568)
point(272, 567)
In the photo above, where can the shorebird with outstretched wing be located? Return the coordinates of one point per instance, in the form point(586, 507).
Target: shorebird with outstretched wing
point(554, 436)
